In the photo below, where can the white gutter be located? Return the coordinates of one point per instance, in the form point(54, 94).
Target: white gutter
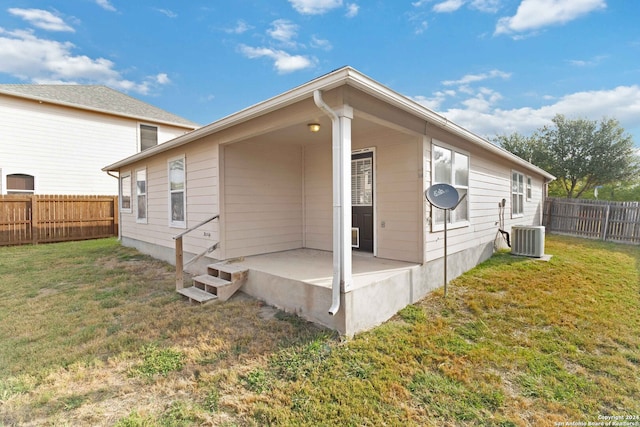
point(341, 153)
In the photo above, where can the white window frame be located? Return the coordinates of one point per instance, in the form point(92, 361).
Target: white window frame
point(16, 191)
point(140, 135)
point(517, 194)
point(139, 194)
point(439, 226)
point(529, 188)
point(172, 222)
point(121, 188)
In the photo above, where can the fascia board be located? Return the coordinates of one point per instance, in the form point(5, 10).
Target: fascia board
point(343, 76)
point(381, 92)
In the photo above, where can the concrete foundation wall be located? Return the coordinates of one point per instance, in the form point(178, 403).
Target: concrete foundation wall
point(367, 306)
point(311, 302)
point(362, 308)
point(166, 254)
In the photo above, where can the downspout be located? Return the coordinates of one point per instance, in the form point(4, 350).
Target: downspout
point(118, 207)
point(337, 241)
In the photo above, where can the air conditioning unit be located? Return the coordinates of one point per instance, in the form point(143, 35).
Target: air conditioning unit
point(527, 241)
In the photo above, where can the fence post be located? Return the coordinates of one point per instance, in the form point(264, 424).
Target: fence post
point(606, 223)
point(34, 219)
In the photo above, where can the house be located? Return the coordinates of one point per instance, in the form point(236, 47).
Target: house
point(318, 194)
point(54, 139)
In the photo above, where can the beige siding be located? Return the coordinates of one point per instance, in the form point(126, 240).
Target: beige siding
point(397, 197)
point(202, 199)
point(66, 148)
point(489, 183)
point(397, 194)
point(262, 198)
point(318, 195)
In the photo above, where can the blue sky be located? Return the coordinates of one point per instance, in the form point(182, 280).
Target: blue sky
point(492, 66)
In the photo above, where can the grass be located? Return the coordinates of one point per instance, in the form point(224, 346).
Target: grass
point(92, 333)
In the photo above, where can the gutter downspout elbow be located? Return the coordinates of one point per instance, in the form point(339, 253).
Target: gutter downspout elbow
point(337, 249)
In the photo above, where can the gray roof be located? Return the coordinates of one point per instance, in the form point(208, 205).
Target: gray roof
point(96, 98)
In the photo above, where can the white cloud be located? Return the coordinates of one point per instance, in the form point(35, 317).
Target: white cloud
point(241, 27)
point(162, 79)
point(587, 62)
point(489, 6)
point(535, 14)
point(106, 5)
point(282, 61)
point(315, 7)
point(283, 31)
point(473, 78)
point(483, 118)
point(352, 10)
point(168, 13)
point(448, 6)
point(320, 43)
point(42, 19)
point(29, 58)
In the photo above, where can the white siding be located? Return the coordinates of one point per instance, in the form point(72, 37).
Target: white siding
point(65, 148)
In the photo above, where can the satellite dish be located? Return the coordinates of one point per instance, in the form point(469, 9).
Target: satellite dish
point(443, 196)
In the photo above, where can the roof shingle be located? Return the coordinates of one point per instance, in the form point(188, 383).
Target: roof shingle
point(97, 98)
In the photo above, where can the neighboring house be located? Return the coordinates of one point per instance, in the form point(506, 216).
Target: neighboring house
point(332, 225)
point(54, 139)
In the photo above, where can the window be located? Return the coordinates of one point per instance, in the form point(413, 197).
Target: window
point(125, 192)
point(148, 137)
point(141, 195)
point(362, 182)
point(528, 188)
point(19, 183)
point(451, 167)
point(177, 199)
point(517, 194)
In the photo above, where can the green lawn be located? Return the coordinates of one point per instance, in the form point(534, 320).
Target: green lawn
point(92, 333)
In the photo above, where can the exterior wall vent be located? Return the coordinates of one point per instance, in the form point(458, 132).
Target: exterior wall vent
point(527, 241)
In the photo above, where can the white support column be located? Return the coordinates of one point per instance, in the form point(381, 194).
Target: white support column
point(345, 115)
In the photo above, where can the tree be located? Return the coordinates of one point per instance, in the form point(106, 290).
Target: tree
point(529, 148)
point(582, 154)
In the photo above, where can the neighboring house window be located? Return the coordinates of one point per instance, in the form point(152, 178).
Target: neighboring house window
point(517, 194)
point(125, 192)
point(19, 183)
point(528, 188)
point(148, 137)
point(177, 197)
point(451, 167)
point(141, 195)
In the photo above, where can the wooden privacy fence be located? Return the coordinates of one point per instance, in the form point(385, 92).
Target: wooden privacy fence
point(32, 219)
point(594, 219)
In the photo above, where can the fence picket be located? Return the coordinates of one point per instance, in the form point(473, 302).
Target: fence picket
point(595, 219)
point(36, 219)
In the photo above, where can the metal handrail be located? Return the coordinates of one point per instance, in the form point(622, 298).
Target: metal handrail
point(189, 230)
